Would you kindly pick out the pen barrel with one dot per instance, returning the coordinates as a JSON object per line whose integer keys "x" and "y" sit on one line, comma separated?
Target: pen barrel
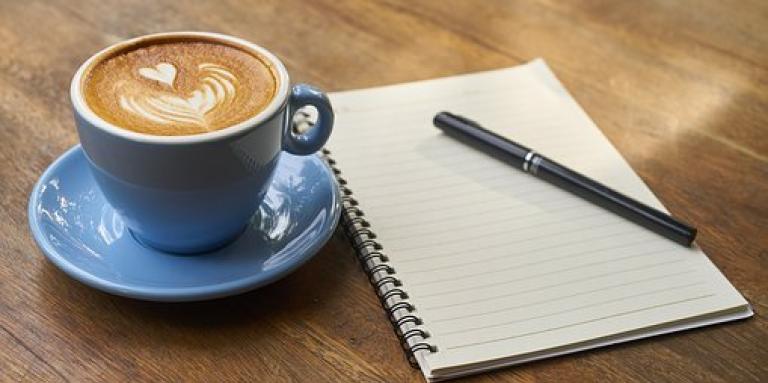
{"x": 620, "y": 204}
{"x": 472, "y": 134}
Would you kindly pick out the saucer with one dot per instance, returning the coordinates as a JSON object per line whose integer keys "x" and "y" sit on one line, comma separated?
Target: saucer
{"x": 84, "y": 237}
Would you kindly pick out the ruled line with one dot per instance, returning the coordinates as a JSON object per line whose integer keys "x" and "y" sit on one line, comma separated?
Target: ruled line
{"x": 500, "y": 223}
{"x": 414, "y": 173}
{"x": 443, "y": 175}
{"x": 550, "y": 272}
{"x": 438, "y": 147}
{"x": 424, "y": 168}
{"x": 507, "y": 282}
{"x": 515, "y": 253}
{"x": 616, "y": 315}
{"x": 530, "y": 238}
{"x": 476, "y": 261}
{"x": 418, "y": 196}
{"x": 450, "y": 196}
{"x": 443, "y": 147}
{"x": 432, "y": 99}
{"x": 444, "y": 182}
{"x": 499, "y": 116}
{"x": 490, "y": 172}
{"x": 429, "y": 184}
{"x": 462, "y": 253}
{"x": 434, "y": 221}
{"x": 559, "y": 298}
{"x": 417, "y": 136}
{"x": 539, "y": 288}
{"x": 570, "y": 310}
{"x": 463, "y": 216}
{"x": 543, "y": 198}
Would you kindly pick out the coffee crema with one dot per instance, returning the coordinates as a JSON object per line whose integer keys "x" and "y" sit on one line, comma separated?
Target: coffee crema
{"x": 184, "y": 87}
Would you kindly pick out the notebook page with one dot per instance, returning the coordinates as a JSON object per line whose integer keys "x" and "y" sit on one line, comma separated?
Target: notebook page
{"x": 496, "y": 262}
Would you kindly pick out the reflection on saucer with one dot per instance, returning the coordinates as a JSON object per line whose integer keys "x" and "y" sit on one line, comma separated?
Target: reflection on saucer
{"x": 86, "y": 238}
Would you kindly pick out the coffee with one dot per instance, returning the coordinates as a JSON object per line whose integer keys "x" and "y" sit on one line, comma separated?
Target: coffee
{"x": 179, "y": 87}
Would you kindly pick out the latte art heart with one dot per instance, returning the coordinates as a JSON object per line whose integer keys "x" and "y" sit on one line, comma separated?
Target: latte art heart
{"x": 162, "y": 72}
{"x": 217, "y": 89}
{"x": 173, "y": 88}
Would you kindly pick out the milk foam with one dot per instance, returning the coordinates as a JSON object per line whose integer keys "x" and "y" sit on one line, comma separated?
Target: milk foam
{"x": 180, "y": 88}
{"x": 217, "y": 90}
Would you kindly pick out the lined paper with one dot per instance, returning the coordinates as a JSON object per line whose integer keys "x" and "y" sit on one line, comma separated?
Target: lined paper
{"x": 498, "y": 263}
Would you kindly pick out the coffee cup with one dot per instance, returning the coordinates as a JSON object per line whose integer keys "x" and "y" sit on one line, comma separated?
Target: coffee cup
{"x": 183, "y": 140}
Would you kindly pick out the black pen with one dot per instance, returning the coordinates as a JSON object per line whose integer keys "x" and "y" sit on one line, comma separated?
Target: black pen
{"x": 542, "y": 167}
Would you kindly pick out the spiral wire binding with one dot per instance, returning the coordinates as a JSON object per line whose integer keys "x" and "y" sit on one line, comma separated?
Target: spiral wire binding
{"x": 383, "y": 276}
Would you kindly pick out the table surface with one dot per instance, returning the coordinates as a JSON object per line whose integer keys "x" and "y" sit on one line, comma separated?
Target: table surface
{"x": 680, "y": 87}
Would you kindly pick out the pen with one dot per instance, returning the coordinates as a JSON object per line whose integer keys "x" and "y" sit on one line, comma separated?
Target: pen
{"x": 542, "y": 167}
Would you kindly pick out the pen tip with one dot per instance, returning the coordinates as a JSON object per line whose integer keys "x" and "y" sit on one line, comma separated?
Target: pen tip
{"x": 439, "y": 119}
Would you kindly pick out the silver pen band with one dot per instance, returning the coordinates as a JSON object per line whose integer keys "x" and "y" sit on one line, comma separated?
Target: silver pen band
{"x": 534, "y": 168}
{"x": 527, "y": 162}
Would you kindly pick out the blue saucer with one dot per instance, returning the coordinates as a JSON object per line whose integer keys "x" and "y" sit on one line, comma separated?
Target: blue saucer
{"x": 82, "y": 235}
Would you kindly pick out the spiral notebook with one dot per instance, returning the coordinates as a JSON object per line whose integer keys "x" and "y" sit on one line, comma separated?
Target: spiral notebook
{"x": 479, "y": 265}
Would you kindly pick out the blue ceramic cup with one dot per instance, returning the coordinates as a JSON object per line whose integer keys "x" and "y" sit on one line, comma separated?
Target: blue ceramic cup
{"x": 192, "y": 193}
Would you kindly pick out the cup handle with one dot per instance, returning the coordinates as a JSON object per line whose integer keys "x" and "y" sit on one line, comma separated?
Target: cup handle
{"x": 313, "y": 139}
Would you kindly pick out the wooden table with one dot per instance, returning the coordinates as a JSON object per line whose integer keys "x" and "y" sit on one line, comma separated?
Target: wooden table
{"x": 680, "y": 87}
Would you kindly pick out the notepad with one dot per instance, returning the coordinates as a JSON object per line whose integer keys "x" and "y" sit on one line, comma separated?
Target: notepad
{"x": 480, "y": 265}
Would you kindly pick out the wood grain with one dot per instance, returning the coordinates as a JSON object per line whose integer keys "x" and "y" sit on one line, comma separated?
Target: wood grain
{"x": 680, "y": 87}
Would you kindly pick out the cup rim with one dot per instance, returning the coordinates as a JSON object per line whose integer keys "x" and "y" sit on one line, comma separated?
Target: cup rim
{"x": 274, "y": 106}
